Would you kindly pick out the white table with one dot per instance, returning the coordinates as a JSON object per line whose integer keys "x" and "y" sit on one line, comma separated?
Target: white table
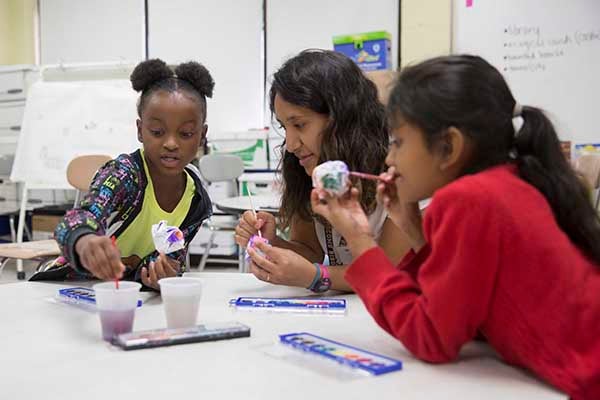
{"x": 239, "y": 204}
{"x": 55, "y": 351}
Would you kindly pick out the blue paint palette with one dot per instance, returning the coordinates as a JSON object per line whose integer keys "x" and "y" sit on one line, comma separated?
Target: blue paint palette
{"x": 374, "y": 364}
{"x": 78, "y": 295}
{"x": 81, "y": 296}
{"x": 291, "y": 304}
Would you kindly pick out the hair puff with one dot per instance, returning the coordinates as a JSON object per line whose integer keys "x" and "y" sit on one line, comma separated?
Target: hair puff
{"x": 197, "y": 75}
{"x": 148, "y": 72}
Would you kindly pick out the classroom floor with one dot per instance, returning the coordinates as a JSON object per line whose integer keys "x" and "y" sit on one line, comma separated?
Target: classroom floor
{"x": 9, "y": 275}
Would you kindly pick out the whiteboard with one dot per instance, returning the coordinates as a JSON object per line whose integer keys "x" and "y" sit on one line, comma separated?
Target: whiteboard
{"x": 548, "y": 50}
{"x": 63, "y": 120}
{"x": 225, "y": 36}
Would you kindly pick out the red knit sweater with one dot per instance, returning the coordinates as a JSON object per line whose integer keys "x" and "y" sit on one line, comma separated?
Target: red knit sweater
{"x": 496, "y": 263}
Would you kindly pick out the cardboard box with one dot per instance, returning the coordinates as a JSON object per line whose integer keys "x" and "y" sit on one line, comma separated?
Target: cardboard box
{"x": 43, "y": 226}
{"x": 565, "y": 147}
{"x": 384, "y": 81}
{"x": 45, "y": 219}
{"x": 250, "y": 146}
{"x": 371, "y": 51}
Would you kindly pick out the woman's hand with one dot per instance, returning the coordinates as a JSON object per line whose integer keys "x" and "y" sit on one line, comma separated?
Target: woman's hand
{"x": 100, "y": 257}
{"x": 406, "y": 216}
{"x": 163, "y": 267}
{"x": 281, "y": 266}
{"x": 249, "y": 225}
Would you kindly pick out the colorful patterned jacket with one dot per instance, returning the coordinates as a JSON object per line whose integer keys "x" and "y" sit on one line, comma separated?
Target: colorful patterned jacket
{"x": 114, "y": 200}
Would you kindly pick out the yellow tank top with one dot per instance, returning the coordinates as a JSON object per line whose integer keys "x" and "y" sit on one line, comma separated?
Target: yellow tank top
{"x": 136, "y": 240}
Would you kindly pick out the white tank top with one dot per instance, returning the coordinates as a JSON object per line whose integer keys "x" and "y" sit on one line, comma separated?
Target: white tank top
{"x": 334, "y": 245}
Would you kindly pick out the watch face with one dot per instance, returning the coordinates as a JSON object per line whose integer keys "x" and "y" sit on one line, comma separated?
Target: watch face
{"x": 324, "y": 285}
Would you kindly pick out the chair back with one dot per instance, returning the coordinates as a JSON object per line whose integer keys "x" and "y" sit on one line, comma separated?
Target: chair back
{"x": 81, "y": 171}
{"x": 221, "y": 167}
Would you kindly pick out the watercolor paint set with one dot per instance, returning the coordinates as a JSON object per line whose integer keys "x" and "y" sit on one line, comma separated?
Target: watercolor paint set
{"x": 80, "y": 296}
{"x": 169, "y": 337}
{"x": 372, "y": 363}
{"x": 291, "y": 304}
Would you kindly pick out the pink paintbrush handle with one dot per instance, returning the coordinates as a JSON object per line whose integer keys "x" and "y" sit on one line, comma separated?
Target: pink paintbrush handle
{"x": 369, "y": 176}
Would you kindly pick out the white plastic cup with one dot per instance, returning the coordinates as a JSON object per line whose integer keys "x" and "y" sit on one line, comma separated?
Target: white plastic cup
{"x": 116, "y": 307}
{"x": 181, "y": 297}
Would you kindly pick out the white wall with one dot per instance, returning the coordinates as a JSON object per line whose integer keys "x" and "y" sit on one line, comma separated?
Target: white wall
{"x": 426, "y": 29}
{"x": 81, "y": 31}
{"x": 225, "y": 36}
{"x": 17, "y": 31}
{"x": 294, "y": 25}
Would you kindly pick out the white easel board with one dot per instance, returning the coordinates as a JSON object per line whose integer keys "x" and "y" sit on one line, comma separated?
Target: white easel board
{"x": 65, "y": 119}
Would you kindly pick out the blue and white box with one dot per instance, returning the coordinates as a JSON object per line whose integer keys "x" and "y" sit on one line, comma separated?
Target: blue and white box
{"x": 371, "y": 51}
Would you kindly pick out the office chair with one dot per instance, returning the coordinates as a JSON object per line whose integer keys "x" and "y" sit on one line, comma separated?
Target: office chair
{"x": 219, "y": 168}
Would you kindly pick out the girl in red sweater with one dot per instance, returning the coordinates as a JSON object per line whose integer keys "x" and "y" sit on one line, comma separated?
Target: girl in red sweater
{"x": 509, "y": 247}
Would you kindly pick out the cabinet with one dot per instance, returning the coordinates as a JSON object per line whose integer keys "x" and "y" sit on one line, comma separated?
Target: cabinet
{"x": 14, "y": 81}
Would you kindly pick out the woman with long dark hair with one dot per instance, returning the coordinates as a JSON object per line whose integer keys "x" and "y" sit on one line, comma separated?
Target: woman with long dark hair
{"x": 329, "y": 111}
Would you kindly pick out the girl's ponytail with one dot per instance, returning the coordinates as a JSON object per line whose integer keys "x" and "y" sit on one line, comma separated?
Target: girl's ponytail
{"x": 542, "y": 164}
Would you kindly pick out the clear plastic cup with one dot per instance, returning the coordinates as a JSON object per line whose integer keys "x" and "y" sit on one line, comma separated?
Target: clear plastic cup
{"x": 181, "y": 297}
{"x": 116, "y": 307}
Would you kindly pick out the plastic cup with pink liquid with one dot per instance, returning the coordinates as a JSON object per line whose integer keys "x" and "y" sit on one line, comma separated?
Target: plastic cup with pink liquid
{"x": 116, "y": 307}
